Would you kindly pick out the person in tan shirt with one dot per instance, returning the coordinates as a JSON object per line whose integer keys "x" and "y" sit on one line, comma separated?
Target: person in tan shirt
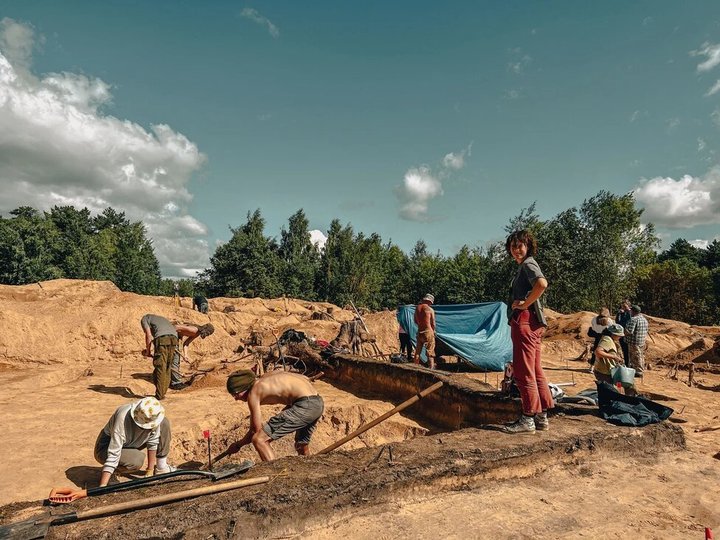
{"x": 425, "y": 320}
{"x": 303, "y": 408}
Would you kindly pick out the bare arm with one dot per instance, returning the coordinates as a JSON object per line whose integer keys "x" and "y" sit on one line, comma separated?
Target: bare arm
{"x": 602, "y": 353}
{"x": 255, "y": 424}
{"x": 432, "y": 319}
{"x": 148, "y": 341}
{"x": 152, "y": 460}
{"x": 536, "y": 292}
{"x": 105, "y": 478}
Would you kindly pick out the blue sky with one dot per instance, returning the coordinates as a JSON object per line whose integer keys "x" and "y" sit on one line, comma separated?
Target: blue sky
{"x": 415, "y": 120}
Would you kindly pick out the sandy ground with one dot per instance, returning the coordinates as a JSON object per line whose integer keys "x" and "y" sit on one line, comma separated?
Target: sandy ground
{"x": 675, "y": 495}
{"x": 69, "y": 355}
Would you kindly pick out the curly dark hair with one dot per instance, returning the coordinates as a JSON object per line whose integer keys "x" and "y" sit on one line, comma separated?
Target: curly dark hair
{"x": 522, "y": 237}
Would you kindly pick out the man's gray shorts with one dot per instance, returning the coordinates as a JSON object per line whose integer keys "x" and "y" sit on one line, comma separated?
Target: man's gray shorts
{"x": 301, "y": 417}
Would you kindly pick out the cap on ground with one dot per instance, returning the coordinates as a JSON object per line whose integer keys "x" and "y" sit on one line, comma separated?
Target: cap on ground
{"x": 635, "y": 308}
{"x": 240, "y": 381}
{"x": 616, "y": 330}
{"x": 429, "y": 297}
{"x": 148, "y": 413}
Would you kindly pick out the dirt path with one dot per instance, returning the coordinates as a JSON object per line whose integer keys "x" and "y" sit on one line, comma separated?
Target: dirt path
{"x": 675, "y": 496}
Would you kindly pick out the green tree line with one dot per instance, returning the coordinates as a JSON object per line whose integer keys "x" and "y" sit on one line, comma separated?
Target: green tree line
{"x": 70, "y": 243}
{"x": 593, "y": 255}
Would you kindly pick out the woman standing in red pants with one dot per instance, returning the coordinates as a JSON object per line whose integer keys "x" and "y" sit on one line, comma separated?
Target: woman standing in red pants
{"x": 527, "y": 326}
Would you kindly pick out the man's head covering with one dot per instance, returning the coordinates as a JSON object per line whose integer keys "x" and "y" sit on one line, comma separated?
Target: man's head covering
{"x": 148, "y": 413}
{"x": 635, "y": 309}
{"x": 240, "y": 381}
{"x": 429, "y": 297}
{"x": 616, "y": 329}
{"x": 205, "y": 330}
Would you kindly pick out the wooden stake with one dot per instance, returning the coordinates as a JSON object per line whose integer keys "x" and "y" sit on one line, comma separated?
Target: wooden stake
{"x": 691, "y": 373}
{"x": 362, "y": 429}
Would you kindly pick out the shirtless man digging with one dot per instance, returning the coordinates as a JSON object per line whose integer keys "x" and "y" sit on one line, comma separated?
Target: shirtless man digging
{"x": 303, "y": 408}
{"x": 425, "y": 320}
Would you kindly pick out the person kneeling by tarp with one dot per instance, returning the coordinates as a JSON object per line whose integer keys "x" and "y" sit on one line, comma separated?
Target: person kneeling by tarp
{"x": 131, "y": 429}
{"x": 303, "y": 408}
{"x": 608, "y": 359}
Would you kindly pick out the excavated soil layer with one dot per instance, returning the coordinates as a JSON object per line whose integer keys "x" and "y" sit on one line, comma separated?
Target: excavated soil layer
{"x": 304, "y": 492}
{"x": 460, "y": 402}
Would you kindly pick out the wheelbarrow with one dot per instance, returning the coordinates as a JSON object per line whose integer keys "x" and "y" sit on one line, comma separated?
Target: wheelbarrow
{"x": 68, "y": 495}
{"x": 37, "y": 527}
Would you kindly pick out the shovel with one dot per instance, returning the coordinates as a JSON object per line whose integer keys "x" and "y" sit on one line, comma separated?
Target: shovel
{"x": 37, "y": 527}
{"x": 68, "y": 495}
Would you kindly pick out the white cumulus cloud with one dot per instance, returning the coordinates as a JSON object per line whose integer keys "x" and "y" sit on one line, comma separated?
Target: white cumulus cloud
{"x": 456, "y": 160}
{"x": 714, "y": 89}
{"x": 253, "y": 15}
{"x": 58, "y": 147}
{"x": 699, "y": 243}
{"x": 419, "y": 187}
{"x": 318, "y": 238}
{"x": 711, "y": 52}
{"x": 17, "y": 42}
{"x": 682, "y": 203}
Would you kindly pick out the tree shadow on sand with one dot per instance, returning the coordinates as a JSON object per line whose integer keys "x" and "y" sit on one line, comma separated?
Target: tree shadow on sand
{"x": 123, "y": 391}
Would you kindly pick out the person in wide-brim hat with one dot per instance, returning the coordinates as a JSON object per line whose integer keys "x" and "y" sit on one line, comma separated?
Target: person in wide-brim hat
{"x": 134, "y": 427}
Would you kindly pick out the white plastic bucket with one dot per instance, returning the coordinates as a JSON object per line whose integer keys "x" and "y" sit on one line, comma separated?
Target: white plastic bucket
{"x": 623, "y": 375}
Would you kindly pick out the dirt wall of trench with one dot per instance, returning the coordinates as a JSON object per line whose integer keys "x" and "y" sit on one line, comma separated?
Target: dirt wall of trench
{"x": 460, "y": 402}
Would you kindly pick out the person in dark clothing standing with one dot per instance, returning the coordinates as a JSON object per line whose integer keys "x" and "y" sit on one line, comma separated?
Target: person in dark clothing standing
{"x": 200, "y": 303}
{"x": 406, "y": 344}
{"x": 623, "y": 319}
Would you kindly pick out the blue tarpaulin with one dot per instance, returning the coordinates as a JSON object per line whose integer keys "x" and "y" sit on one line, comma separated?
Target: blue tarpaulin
{"x": 477, "y": 333}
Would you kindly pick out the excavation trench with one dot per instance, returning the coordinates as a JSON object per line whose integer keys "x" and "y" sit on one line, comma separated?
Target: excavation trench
{"x": 434, "y": 446}
{"x": 358, "y": 390}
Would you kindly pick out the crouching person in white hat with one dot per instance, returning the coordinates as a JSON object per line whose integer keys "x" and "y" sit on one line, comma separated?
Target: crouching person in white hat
{"x": 135, "y": 427}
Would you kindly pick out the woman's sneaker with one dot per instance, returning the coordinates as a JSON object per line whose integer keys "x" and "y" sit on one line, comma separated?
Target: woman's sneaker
{"x": 166, "y": 470}
{"x": 541, "y": 422}
{"x": 524, "y": 424}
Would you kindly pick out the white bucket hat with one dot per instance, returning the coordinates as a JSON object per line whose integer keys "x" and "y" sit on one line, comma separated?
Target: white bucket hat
{"x": 148, "y": 413}
{"x": 429, "y": 297}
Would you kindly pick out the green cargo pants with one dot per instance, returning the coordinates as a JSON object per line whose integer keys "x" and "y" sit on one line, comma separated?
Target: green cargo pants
{"x": 164, "y": 351}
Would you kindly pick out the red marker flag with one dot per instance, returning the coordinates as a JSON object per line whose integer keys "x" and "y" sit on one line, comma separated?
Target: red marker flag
{"x": 206, "y": 434}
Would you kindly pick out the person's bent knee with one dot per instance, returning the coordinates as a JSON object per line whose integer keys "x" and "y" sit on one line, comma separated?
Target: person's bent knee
{"x": 261, "y": 438}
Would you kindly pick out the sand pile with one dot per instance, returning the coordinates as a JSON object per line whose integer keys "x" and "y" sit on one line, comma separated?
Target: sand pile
{"x": 74, "y": 321}
{"x": 566, "y": 335}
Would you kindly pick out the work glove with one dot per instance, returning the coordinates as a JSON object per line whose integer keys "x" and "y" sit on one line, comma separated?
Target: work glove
{"x": 150, "y": 472}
